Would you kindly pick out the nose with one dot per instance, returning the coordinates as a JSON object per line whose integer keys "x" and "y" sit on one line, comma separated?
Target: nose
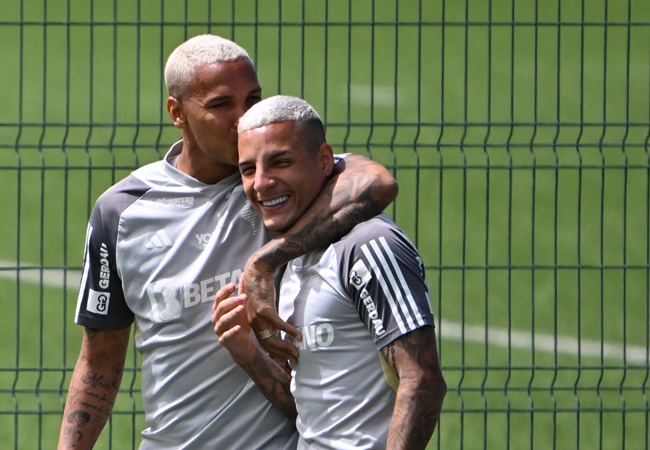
{"x": 263, "y": 180}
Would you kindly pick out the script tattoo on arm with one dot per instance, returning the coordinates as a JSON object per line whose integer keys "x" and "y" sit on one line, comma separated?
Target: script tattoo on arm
{"x": 93, "y": 387}
{"x": 421, "y": 391}
{"x": 273, "y": 380}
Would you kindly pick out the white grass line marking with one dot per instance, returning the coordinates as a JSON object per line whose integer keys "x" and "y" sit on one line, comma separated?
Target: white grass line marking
{"x": 498, "y": 337}
{"x": 383, "y": 96}
{"x": 516, "y": 339}
{"x": 56, "y": 278}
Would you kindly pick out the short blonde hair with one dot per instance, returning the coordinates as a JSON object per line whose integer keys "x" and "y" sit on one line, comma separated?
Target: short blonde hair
{"x": 279, "y": 108}
{"x": 284, "y": 108}
{"x": 198, "y": 51}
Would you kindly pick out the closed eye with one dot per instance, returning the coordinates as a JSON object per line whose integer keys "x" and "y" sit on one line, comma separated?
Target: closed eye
{"x": 247, "y": 171}
{"x": 217, "y": 101}
{"x": 282, "y": 162}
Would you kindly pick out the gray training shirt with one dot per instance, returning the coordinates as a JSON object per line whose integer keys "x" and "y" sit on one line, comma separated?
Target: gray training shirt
{"x": 350, "y": 300}
{"x": 159, "y": 245}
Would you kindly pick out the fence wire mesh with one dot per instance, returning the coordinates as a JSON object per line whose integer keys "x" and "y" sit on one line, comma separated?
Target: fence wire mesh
{"x": 518, "y": 132}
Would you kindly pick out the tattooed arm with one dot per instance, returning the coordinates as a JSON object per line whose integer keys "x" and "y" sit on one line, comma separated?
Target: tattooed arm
{"x": 358, "y": 190}
{"x": 234, "y": 331}
{"x": 93, "y": 387}
{"x": 421, "y": 391}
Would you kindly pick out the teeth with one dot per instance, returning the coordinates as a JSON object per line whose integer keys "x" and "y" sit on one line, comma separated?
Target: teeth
{"x": 275, "y": 201}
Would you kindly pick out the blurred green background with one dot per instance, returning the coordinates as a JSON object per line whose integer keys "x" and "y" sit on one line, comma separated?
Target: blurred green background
{"x": 517, "y": 130}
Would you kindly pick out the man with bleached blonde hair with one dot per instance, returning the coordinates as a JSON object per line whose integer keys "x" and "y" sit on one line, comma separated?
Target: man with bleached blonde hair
{"x": 368, "y": 376}
{"x": 164, "y": 240}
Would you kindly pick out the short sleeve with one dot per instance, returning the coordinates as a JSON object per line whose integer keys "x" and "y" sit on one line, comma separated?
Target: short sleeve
{"x": 384, "y": 276}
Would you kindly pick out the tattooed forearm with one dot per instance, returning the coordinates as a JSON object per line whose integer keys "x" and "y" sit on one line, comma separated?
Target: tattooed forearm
{"x": 346, "y": 201}
{"x": 273, "y": 380}
{"x": 90, "y": 401}
{"x": 358, "y": 190}
{"x": 421, "y": 392}
{"x": 93, "y": 388}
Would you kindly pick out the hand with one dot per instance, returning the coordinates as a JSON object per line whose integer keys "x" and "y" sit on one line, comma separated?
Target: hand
{"x": 231, "y": 324}
{"x": 258, "y": 283}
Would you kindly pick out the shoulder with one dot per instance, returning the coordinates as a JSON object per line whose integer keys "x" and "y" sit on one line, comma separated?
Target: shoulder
{"x": 131, "y": 185}
{"x": 378, "y": 227}
{"x": 122, "y": 193}
{"x": 117, "y": 198}
{"x": 136, "y": 184}
{"x": 377, "y": 241}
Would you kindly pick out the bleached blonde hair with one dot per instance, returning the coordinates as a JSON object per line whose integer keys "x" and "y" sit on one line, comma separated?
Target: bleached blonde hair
{"x": 279, "y": 108}
{"x": 198, "y": 51}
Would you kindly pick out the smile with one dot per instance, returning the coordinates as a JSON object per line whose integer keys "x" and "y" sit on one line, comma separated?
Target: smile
{"x": 275, "y": 201}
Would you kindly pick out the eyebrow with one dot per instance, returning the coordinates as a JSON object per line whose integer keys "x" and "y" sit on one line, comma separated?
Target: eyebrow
{"x": 276, "y": 154}
{"x": 218, "y": 98}
{"x": 245, "y": 163}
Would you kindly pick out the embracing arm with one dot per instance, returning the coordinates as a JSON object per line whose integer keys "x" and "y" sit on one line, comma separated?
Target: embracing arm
{"x": 421, "y": 391}
{"x": 358, "y": 190}
{"x": 93, "y": 387}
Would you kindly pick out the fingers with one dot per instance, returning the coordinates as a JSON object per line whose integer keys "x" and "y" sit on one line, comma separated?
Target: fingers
{"x": 230, "y": 322}
{"x": 280, "y": 349}
{"x": 229, "y": 313}
{"x": 272, "y": 317}
{"x": 275, "y": 346}
{"x": 230, "y": 333}
{"x": 242, "y": 284}
{"x": 231, "y": 325}
{"x": 223, "y": 294}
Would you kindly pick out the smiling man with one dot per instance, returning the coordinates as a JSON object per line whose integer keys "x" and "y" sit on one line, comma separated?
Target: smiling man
{"x": 287, "y": 182}
{"x": 164, "y": 239}
{"x": 368, "y": 376}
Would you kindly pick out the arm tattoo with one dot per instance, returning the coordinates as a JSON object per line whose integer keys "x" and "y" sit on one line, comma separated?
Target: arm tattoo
{"x": 421, "y": 390}
{"x": 93, "y": 387}
{"x": 348, "y": 202}
{"x": 348, "y": 198}
{"x": 273, "y": 380}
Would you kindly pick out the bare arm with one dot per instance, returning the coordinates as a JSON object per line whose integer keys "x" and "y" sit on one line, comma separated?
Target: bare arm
{"x": 232, "y": 327}
{"x": 94, "y": 385}
{"x": 421, "y": 391}
{"x": 272, "y": 380}
{"x": 358, "y": 190}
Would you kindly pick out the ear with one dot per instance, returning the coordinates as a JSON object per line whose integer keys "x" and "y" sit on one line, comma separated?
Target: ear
{"x": 175, "y": 112}
{"x": 326, "y": 158}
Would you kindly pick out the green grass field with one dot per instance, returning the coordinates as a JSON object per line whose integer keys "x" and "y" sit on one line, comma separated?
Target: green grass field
{"x": 518, "y": 135}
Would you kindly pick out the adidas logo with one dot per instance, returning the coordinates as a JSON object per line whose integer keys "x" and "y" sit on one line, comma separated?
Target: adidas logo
{"x": 159, "y": 240}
